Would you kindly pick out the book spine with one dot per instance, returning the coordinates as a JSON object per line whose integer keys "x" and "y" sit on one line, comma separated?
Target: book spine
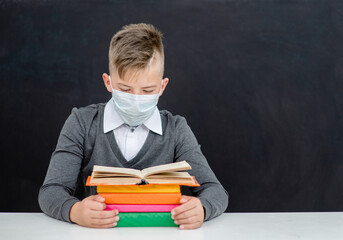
{"x": 141, "y": 198}
{"x": 141, "y": 207}
{"x": 146, "y": 219}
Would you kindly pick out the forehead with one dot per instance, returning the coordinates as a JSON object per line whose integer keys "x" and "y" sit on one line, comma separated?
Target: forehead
{"x": 153, "y": 73}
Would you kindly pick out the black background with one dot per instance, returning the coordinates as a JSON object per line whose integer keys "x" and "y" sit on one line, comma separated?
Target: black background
{"x": 260, "y": 83}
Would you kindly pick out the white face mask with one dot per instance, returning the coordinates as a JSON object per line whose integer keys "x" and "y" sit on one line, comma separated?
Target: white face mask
{"x": 134, "y": 109}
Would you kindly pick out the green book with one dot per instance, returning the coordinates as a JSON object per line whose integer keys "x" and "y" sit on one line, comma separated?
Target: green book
{"x": 145, "y": 219}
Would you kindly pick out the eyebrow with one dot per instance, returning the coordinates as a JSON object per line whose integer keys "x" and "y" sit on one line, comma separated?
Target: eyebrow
{"x": 149, "y": 86}
{"x": 124, "y": 85}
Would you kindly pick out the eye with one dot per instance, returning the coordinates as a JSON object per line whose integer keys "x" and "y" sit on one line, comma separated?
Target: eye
{"x": 148, "y": 91}
{"x": 124, "y": 89}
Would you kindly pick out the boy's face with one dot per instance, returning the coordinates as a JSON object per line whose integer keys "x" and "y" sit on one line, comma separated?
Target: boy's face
{"x": 141, "y": 82}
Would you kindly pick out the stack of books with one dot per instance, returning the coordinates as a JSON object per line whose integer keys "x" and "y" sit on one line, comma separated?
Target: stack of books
{"x": 143, "y": 198}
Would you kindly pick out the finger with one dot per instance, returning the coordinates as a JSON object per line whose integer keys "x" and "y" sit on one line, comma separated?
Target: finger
{"x": 93, "y": 205}
{"x": 110, "y": 210}
{"x": 99, "y": 198}
{"x": 116, "y": 212}
{"x": 185, "y": 198}
{"x": 104, "y": 226}
{"x": 190, "y": 220}
{"x": 184, "y": 207}
{"x": 186, "y": 214}
{"x": 96, "y": 198}
{"x": 102, "y": 214}
{"x": 190, "y": 226}
{"x": 103, "y": 221}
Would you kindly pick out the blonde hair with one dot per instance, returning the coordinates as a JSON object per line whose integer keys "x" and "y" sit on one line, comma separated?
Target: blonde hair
{"x": 134, "y": 47}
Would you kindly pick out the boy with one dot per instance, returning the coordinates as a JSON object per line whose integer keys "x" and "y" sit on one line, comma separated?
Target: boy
{"x": 129, "y": 131}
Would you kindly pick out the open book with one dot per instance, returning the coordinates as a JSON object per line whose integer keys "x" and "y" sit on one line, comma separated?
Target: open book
{"x": 161, "y": 174}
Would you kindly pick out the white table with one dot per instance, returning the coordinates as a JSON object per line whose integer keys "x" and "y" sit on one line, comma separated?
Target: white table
{"x": 234, "y": 226}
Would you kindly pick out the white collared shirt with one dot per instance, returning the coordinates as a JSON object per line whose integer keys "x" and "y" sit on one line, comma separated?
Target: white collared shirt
{"x": 130, "y": 139}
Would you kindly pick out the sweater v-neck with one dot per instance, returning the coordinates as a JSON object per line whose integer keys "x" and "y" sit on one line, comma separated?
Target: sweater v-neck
{"x": 117, "y": 152}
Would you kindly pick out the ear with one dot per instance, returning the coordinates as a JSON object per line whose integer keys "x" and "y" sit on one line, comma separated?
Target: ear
{"x": 106, "y": 79}
{"x": 164, "y": 85}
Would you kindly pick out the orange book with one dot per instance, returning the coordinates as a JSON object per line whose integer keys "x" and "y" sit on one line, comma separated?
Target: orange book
{"x": 149, "y": 188}
{"x": 141, "y": 198}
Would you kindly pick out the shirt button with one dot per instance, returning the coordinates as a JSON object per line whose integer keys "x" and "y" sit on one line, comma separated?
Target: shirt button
{"x": 132, "y": 129}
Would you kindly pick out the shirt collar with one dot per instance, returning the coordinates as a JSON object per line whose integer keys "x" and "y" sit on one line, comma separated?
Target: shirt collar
{"x": 154, "y": 123}
{"x": 112, "y": 120}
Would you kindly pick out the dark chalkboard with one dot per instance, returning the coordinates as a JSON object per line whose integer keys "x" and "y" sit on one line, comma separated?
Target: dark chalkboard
{"x": 260, "y": 83}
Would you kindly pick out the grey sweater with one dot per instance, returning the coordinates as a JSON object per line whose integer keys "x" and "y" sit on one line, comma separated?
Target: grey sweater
{"x": 82, "y": 144}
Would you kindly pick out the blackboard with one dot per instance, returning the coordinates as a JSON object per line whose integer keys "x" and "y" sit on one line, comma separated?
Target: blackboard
{"x": 259, "y": 82}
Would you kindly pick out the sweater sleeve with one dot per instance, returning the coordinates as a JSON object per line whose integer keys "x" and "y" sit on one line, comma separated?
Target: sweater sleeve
{"x": 211, "y": 193}
{"x": 56, "y": 194}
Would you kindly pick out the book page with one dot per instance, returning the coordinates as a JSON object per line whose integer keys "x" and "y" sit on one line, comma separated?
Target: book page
{"x": 167, "y": 175}
{"x": 116, "y": 181}
{"x": 109, "y": 175}
{"x": 171, "y": 167}
{"x": 99, "y": 171}
{"x": 182, "y": 181}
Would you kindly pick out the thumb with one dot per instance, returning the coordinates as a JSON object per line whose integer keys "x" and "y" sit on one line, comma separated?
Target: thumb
{"x": 185, "y": 198}
{"x": 97, "y": 198}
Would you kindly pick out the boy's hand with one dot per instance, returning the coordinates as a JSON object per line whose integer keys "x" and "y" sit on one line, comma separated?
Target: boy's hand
{"x": 90, "y": 213}
{"x": 190, "y": 214}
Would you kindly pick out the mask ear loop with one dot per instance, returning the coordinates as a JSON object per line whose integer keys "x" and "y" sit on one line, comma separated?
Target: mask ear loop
{"x": 111, "y": 84}
{"x": 161, "y": 88}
